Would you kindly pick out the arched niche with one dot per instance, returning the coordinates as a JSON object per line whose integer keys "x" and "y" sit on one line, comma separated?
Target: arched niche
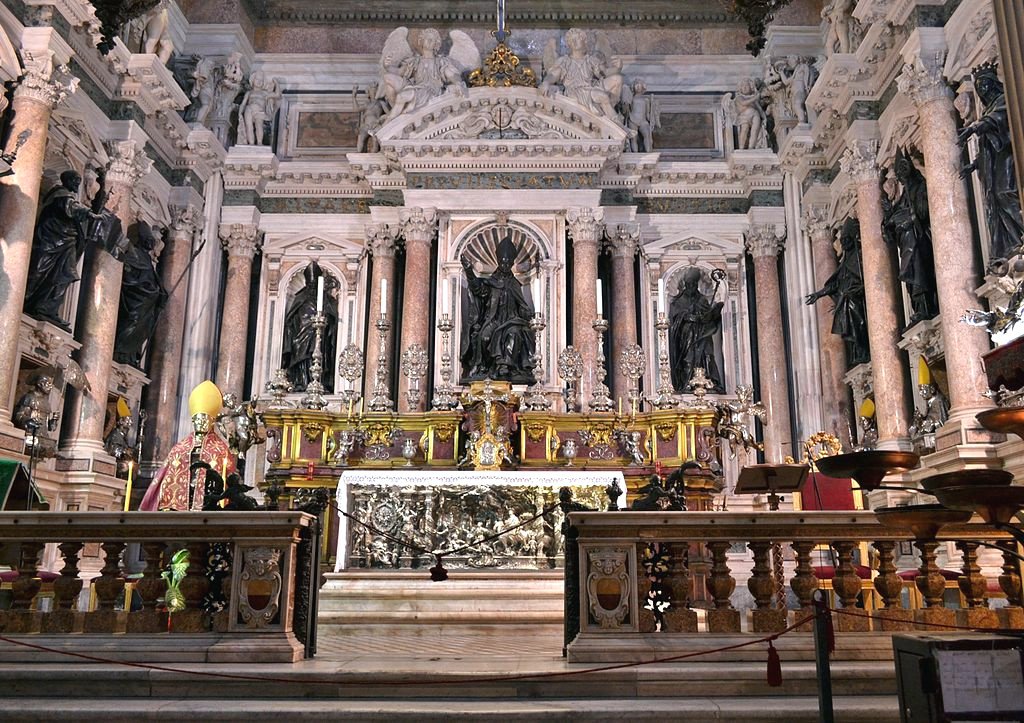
{"x": 682, "y": 311}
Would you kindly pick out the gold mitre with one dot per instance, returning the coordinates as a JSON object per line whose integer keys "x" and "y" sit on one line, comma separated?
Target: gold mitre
{"x": 122, "y": 408}
{"x": 205, "y": 399}
{"x": 867, "y": 408}
{"x": 924, "y": 374}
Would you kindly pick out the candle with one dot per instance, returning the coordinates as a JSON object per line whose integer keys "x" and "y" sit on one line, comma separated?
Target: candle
{"x": 224, "y": 470}
{"x": 600, "y": 299}
{"x": 620, "y": 406}
{"x": 632, "y": 407}
{"x": 661, "y": 296}
{"x": 383, "y": 297}
{"x": 501, "y": 17}
{"x": 128, "y": 487}
{"x": 361, "y": 406}
{"x": 319, "y": 294}
{"x": 350, "y": 409}
{"x": 536, "y": 293}
{"x": 445, "y": 296}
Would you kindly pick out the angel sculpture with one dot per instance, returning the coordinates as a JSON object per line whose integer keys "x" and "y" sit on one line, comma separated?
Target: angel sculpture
{"x": 642, "y": 114}
{"x": 411, "y": 76}
{"x": 745, "y": 111}
{"x": 592, "y": 79}
{"x": 734, "y": 419}
{"x": 372, "y": 110}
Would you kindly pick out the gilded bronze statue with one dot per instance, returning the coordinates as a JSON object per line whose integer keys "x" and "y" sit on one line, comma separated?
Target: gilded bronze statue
{"x": 846, "y": 289}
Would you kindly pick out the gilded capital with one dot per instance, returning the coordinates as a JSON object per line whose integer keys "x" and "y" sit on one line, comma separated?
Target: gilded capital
{"x": 380, "y": 240}
{"x": 44, "y": 82}
{"x": 923, "y": 81}
{"x": 764, "y": 240}
{"x": 418, "y": 224}
{"x": 859, "y": 160}
{"x": 623, "y": 240}
{"x": 585, "y": 225}
{"x": 240, "y": 240}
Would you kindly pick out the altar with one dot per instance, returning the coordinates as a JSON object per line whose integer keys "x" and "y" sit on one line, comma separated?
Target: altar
{"x": 444, "y": 510}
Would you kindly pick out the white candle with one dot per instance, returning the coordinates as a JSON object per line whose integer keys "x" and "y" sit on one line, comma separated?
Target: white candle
{"x": 319, "y": 294}
{"x": 600, "y": 299}
{"x": 536, "y": 294}
{"x": 445, "y": 296}
{"x": 383, "y": 297}
{"x": 661, "y": 296}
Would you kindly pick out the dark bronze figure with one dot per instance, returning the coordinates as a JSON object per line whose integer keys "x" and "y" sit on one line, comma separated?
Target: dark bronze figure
{"x": 846, "y": 289}
{"x": 995, "y": 166}
{"x": 64, "y": 227}
{"x": 300, "y": 334}
{"x": 142, "y": 295}
{"x": 694, "y": 321}
{"x": 497, "y": 342}
{"x": 907, "y": 227}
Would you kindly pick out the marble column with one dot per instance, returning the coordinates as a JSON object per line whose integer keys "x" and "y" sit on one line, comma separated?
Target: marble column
{"x": 96, "y": 326}
{"x": 957, "y": 274}
{"x": 889, "y": 376}
{"x": 241, "y": 242}
{"x": 419, "y": 227}
{"x": 1009, "y": 15}
{"x": 42, "y": 88}
{"x": 161, "y": 396}
{"x": 381, "y": 242}
{"x": 764, "y": 243}
{"x": 622, "y": 243}
{"x": 836, "y": 412}
{"x": 586, "y": 226}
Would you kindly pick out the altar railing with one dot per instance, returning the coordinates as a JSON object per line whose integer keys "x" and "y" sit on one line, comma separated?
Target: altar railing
{"x": 261, "y": 563}
{"x": 638, "y": 572}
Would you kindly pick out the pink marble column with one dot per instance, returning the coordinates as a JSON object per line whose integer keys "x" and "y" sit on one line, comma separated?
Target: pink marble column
{"x": 381, "y": 242}
{"x": 39, "y": 92}
{"x": 586, "y": 226}
{"x": 242, "y": 242}
{"x": 418, "y": 228}
{"x": 622, "y": 244}
{"x": 956, "y": 273}
{"x": 161, "y": 395}
{"x": 763, "y": 243}
{"x": 889, "y": 377}
{"x": 835, "y": 395}
{"x": 96, "y": 327}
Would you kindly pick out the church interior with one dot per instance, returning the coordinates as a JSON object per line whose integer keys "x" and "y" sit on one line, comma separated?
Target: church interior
{"x": 513, "y": 360}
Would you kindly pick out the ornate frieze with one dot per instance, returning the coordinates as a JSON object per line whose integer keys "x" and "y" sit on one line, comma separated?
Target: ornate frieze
{"x": 488, "y": 181}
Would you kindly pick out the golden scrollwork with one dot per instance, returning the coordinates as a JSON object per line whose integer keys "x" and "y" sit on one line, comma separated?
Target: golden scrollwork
{"x": 535, "y": 432}
{"x": 502, "y": 68}
{"x": 380, "y": 433}
{"x": 666, "y": 431}
{"x": 444, "y": 431}
{"x": 818, "y": 445}
{"x": 312, "y": 431}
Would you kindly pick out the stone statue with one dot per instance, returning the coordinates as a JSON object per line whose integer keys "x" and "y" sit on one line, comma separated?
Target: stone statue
{"x": 846, "y": 289}
{"x": 64, "y": 227}
{"x": 907, "y": 227}
{"x": 156, "y": 37}
{"x": 117, "y": 445}
{"x": 225, "y": 97}
{"x": 259, "y": 105}
{"x": 204, "y": 86}
{"x": 935, "y": 414}
{"x": 300, "y": 335}
{"x": 777, "y": 91}
{"x": 694, "y": 322}
{"x": 372, "y": 111}
{"x": 995, "y": 166}
{"x": 745, "y": 111}
{"x": 798, "y": 77}
{"x": 497, "y": 342}
{"x": 33, "y": 412}
{"x": 642, "y": 114}
{"x": 592, "y": 79}
{"x": 837, "y": 33}
{"x": 142, "y": 295}
{"x": 413, "y": 74}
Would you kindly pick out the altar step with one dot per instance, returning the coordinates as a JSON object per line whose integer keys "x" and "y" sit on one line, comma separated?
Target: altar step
{"x": 363, "y": 602}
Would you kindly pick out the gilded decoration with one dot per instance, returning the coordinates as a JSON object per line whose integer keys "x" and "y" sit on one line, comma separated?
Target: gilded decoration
{"x": 444, "y": 432}
{"x": 502, "y": 68}
{"x": 666, "y": 431}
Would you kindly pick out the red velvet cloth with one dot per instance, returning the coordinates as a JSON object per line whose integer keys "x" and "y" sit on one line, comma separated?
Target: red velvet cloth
{"x": 827, "y": 493}
{"x": 12, "y": 575}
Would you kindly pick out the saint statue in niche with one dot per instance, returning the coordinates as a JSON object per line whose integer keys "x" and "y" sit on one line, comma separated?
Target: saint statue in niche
{"x": 695, "y": 319}
{"x": 497, "y": 342}
{"x": 846, "y": 289}
{"x": 300, "y": 334}
{"x": 907, "y": 228}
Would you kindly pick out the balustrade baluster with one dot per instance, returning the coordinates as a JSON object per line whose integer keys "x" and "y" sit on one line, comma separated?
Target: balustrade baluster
{"x": 761, "y": 584}
{"x": 66, "y": 589}
{"x": 681, "y": 618}
{"x": 1011, "y": 616}
{"x": 109, "y": 588}
{"x": 973, "y": 585}
{"x": 847, "y": 586}
{"x": 932, "y": 586}
{"x": 150, "y": 588}
{"x": 194, "y": 587}
{"x": 21, "y": 618}
{"x": 892, "y": 616}
{"x": 723, "y": 619}
{"x": 804, "y": 582}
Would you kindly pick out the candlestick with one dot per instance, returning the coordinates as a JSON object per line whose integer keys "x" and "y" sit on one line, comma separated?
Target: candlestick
{"x": 381, "y": 401}
{"x": 570, "y": 368}
{"x": 319, "y": 294}
{"x": 661, "y": 296}
{"x": 350, "y": 368}
{"x": 414, "y": 366}
{"x": 600, "y": 299}
{"x": 535, "y": 399}
{"x": 600, "y": 401}
{"x": 128, "y": 487}
{"x": 314, "y": 398}
{"x": 445, "y": 397}
{"x": 665, "y": 398}
{"x": 383, "y": 297}
{"x": 633, "y": 362}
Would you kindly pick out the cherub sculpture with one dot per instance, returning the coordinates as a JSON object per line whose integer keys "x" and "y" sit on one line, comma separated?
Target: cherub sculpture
{"x": 642, "y": 114}
{"x": 746, "y": 111}
{"x": 591, "y": 78}
{"x": 734, "y": 418}
{"x": 413, "y": 73}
